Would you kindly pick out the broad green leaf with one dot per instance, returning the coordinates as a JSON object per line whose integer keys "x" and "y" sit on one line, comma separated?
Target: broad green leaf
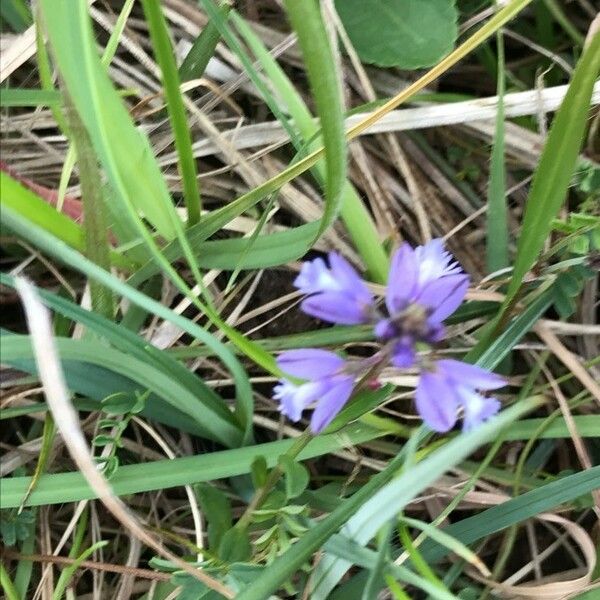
{"x": 132, "y": 479}
{"x": 124, "y": 152}
{"x": 296, "y": 476}
{"x": 216, "y": 508}
{"x": 235, "y": 546}
{"x": 409, "y": 34}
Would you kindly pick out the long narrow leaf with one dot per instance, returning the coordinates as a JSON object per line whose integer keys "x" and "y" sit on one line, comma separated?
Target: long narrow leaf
{"x": 306, "y": 19}
{"x": 170, "y": 79}
{"x": 131, "y": 479}
{"x": 124, "y": 152}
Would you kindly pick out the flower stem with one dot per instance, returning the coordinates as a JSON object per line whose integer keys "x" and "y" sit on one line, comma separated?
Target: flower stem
{"x": 261, "y": 494}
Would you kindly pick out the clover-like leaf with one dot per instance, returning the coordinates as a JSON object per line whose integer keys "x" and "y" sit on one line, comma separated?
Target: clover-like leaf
{"x": 410, "y": 34}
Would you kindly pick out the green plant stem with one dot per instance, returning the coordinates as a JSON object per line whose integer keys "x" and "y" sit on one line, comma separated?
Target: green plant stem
{"x": 170, "y": 79}
{"x": 42, "y": 461}
{"x": 415, "y": 556}
{"x": 261, "y": 494}
{"x": 97, "y": 244}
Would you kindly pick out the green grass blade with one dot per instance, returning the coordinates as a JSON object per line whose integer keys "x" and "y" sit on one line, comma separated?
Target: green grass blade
{"x": 16, "y": 13}
{"x": 132, "y": 479}
{"x": 557, "y": 164}
{"x": 7, "y": 584}
{"x": 497, "y": 217}
{"x": 307, "y": 22}
{"x": 219, "y": 19}
{"x": 372, "y": 505}
{"x": 516, "y": 330}
{"x": 28, "y": 97}
{"x": 356, "y": 217}
{"x": 128, "y": 342}
{"x": 15, "y": 196}
{"x": 203, "y": 48}
{"x": 525, "y": 506}
{"x": 208, "y": 418}
{"x": 54, "y": 247}
{"x": 170, "y": 80}
{"x": 123, "y": 151}
{"x": 551, "y": 180}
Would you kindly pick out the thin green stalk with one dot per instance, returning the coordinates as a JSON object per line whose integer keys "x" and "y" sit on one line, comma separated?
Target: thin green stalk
{"x": 324, "y": 79}
{"x": 97, "y": 244}
{"x": 415, "y": 556}
{"x": 42, "y": 461}
{"x": 395, "y": 588}
{"x": 107, "y": 56}
{"x": 69, "y": 571}
{"x": 171, "y": 83}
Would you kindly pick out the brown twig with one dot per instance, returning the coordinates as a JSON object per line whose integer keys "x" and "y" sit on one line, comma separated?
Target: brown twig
{"x": 86, "y": 564}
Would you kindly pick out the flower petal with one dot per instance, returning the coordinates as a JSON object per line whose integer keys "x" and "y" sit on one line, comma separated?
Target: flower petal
{"x": 404, "y": 354}
{"x": 331, "y": 402}
{"x": 477, "y": 408}
{"x": 385, "y": 330}
{"x": 315, "y": 277}
{"x": 436, "y": 402}
{"x": 475, "y": 377}
{"x": 309, "y": 363}
{"x": 293, "y": 399}
{"x": 348, "y": 279}
{"x": 335, "y": 307}
{"x": 402, "y": 279}
{"x": 443, "y": 296}
{"x": 435, "y": 262}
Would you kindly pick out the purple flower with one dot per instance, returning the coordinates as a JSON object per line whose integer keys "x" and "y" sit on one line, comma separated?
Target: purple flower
{"x": 425, "y": 286}
{"x": 450, "y": 385}
{"x": 327, "y": 384}
{"x": 339, "y": 295}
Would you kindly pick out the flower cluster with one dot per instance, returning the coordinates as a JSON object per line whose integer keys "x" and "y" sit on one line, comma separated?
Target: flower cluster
{"x": 425, "y": 286}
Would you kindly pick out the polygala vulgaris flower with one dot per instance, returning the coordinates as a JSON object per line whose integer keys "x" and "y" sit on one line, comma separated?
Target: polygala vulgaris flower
{"x": 327, "y": 384}
{"x": 425, "y": 286}
{"x": 338, "y": 294}
{"x": 447, "y": 385}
